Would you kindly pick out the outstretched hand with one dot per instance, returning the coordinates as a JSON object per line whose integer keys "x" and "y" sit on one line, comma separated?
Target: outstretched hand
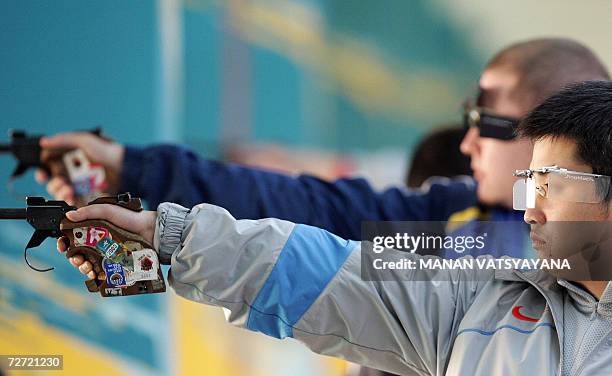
{"x": 98, "y": 150}
{"x": 141, "y": 223}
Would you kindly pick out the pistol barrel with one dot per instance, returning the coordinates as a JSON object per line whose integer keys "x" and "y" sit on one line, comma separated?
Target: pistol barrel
{"x": 13, "y": 214}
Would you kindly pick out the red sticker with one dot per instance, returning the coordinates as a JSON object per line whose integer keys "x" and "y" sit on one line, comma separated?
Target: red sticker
{"x": 94, "y": 235}
{"x": 97, "y": 178}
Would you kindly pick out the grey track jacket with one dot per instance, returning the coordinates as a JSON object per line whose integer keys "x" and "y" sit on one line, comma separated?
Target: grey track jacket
{"x": 290, "y": 280}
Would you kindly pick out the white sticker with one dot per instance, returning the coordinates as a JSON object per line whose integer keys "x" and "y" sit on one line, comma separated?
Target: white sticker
{"x": 113, "y": 291}
{"x": 80, "y": 235}
{"x": 145, "y": 265}
{"x": 77, "y": 165}
{"x": 88, "y": 179}
{"x": 130, "y": 278}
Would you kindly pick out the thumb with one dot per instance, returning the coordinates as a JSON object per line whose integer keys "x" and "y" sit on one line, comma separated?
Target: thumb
{"x": 74, "y": 140}
{"x": 118, "y": 216}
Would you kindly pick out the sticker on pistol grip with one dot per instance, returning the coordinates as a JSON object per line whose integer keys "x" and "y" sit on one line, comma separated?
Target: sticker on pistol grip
{"x": 146, "y": 265}
{"x": 114, "y": 291}
{"x": 88, "y": 179}
{"x": 80, "y": 235}
{"x": 132, "y": 246}
{"x": 90, "y": 236}
{"x": 97, "y": 178}
{"x": 81, "y": 187}
{"x": 76, "y": 164}
{"x": 90, "y": 185}
{"x": 115, "y": 275}
{"x": 108, "y": 247}
{"x": 129, "y": 277}
{"x": 123, "y": 258}
{"x": 126, "y": 261}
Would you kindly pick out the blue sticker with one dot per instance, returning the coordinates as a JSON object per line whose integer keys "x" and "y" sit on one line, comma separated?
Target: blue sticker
{"x": 115, "y": 275}
{"x": 108, "y": 247}
{"x": 82, "y": 186}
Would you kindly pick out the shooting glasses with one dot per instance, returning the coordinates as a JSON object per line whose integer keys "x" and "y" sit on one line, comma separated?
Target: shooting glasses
{"x": 489, "y": 124}
{"x": 558, "y": 184}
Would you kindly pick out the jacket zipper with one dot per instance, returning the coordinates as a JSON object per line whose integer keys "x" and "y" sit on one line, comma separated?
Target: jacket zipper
{"x": 552, "y": 311}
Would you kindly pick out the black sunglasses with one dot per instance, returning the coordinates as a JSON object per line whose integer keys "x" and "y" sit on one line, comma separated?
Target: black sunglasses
{"x": 490, "y": 125}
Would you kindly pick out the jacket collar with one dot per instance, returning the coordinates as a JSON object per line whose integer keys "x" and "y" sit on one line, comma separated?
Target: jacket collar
{"x": 587, "y": 303}
{"x": 551, "y": 287}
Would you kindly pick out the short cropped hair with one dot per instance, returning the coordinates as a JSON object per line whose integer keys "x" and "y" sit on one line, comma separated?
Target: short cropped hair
{"x": 544, "y": 66}
{"x": 582, "y": 113}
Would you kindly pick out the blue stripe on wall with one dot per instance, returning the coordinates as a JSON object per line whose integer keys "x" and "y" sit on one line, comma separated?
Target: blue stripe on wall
{"x": 309, "y": 260}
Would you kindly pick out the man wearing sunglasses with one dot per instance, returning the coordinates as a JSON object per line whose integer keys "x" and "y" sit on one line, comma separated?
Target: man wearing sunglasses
{"x": 459, "y": 322}
{"x": 514, "y": 81}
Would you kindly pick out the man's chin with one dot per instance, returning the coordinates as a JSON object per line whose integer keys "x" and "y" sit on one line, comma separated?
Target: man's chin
{"x": 486, "y": 197}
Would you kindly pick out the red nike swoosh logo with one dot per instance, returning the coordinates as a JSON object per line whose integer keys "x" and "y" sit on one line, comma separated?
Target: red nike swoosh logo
{"x": 516, "y": 312}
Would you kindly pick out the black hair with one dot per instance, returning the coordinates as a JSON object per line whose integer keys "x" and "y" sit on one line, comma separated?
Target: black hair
{"x": 546, "y": 65}
{"x": 437, "y": 154}
{"x": 582, "y": 113}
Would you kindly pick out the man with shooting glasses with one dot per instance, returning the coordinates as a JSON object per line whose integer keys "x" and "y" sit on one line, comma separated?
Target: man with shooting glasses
{"x": 515, "y": 80}
{"x": 291, "y": 280}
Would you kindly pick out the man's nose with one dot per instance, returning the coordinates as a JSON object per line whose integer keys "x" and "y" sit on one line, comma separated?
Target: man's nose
{"x": 468, "y": 144}
{"x": 534, "y": 216}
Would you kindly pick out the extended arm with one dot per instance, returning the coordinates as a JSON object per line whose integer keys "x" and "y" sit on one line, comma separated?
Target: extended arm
{"x": 176, "y": 174}
{"x": 288, "y": 280}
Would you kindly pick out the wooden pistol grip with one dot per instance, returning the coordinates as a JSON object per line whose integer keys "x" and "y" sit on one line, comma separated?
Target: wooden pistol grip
{"x": 93, "y": 256}
{"x": 83, "y": 238}
{"x": 134, "y": 204}
{"x": 53, "y": 160}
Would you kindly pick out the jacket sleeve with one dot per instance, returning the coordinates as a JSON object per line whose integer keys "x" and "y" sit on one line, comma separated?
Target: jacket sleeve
{"x": 168, "y": 173}
{"x": 298, "y": 281}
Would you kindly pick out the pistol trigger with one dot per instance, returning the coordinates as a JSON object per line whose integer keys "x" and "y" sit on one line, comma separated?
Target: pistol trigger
{"x": 37, "y": 238}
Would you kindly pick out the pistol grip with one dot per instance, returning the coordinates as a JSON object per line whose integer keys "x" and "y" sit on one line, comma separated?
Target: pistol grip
{"x": 89, "y": 254}
{"x": 131, "y": 263}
